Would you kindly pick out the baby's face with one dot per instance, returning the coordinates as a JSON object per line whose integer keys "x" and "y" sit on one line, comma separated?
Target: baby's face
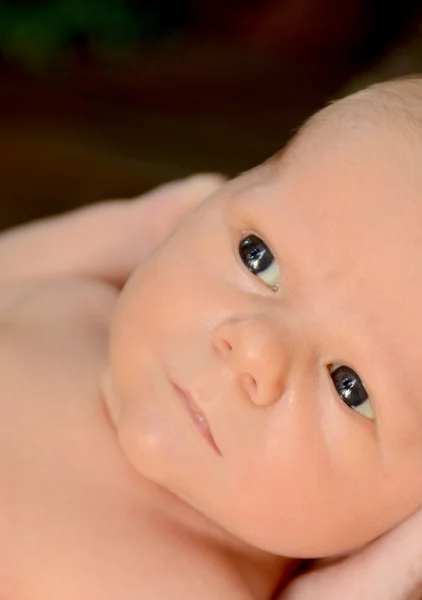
{"x": 286, "y": 311}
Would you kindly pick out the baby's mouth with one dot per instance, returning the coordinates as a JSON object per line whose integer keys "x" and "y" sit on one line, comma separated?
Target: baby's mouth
{"x": 196, "y": 416}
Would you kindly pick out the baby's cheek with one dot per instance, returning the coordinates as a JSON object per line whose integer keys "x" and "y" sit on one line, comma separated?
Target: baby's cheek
{"x": 143, "y": 435}
{"x": 278, "y": 508}
{"x": 283, "y": 480}
{"x": 138, "y": 449}
{"x": 301, "y": 504}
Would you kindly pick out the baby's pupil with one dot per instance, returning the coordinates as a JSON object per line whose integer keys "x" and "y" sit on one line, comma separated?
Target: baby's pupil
{"x": 349, "y": 386}
{"x": 255, "y": 254}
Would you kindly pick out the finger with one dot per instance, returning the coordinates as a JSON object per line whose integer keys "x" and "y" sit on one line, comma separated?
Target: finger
{"x": 395, "y": 559}
{"x": 189, "y": 192}
{"x": 102, "y": 241}
{"x": 390, "y": 568}
{"x": 159, "y": 212}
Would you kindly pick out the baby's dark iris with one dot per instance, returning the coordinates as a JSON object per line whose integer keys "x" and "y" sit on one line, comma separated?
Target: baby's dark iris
{"x": 349, "y": 386}
{"x": 255, "y": 254}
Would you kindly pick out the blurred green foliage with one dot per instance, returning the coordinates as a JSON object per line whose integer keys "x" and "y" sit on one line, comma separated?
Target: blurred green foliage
{"x": 38, "y": 33}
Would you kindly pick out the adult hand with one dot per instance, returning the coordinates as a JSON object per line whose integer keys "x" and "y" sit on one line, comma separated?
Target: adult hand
{"x": 102, "y": 241}
{"x": 157, "y": 213}
{"x": 390, "y": 568}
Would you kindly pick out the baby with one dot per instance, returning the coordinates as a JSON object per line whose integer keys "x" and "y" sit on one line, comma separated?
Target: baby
{"x": 251, "y": 394}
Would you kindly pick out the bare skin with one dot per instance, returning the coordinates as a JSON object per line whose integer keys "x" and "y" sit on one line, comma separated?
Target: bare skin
{"x": 78, "y": 520}
{"x": 111, "y": 482}
{"x": 261, "y": 352}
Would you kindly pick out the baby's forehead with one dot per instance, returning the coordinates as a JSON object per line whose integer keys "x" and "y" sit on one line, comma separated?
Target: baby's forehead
{"x": 351, "y": 177}
{"x": 391, "y": 110}
{"x": 344, "y": 207}
{"x": 370, "y": 140}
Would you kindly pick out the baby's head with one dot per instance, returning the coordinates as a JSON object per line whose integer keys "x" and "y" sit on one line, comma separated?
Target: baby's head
{"x": 286, "y": 312}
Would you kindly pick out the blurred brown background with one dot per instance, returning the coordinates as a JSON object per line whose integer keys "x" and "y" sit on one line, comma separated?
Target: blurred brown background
{"x": 110, "y": 101}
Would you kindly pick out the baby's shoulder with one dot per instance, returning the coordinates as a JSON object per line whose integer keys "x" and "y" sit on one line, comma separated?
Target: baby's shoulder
{"x": 54, "y": 334}
{"x": 40, "y": 300}
{"x": 66, "y": 305}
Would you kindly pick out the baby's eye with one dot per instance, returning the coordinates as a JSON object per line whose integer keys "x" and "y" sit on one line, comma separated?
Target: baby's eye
{"x": 350, "y": 388}
{"x": 259, "y": 259}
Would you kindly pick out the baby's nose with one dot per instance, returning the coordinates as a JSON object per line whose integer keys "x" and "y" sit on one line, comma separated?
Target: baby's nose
{"x": 258, "y": 354}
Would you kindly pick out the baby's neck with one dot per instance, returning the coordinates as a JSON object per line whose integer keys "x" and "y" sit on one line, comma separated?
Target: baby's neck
{"x": 261, "y": 572}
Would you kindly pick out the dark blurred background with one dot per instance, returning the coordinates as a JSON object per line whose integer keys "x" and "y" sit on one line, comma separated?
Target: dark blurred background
{"x": 107, "y": 98}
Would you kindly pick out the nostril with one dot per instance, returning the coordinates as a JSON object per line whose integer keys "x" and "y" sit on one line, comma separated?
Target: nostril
{"x": 223, "y": 345}
{"x": 227, "y": 345}
{"x": 249, "y": 384}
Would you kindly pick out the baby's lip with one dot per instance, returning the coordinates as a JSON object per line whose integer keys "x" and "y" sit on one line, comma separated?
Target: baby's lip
{"x": 196, "y": 415}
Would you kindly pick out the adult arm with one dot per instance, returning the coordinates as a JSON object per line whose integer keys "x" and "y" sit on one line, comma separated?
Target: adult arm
{"x": 103, "y": 241}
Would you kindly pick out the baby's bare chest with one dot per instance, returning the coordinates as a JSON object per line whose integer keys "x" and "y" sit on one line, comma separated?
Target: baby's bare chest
{"x": 75, "y": 521}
